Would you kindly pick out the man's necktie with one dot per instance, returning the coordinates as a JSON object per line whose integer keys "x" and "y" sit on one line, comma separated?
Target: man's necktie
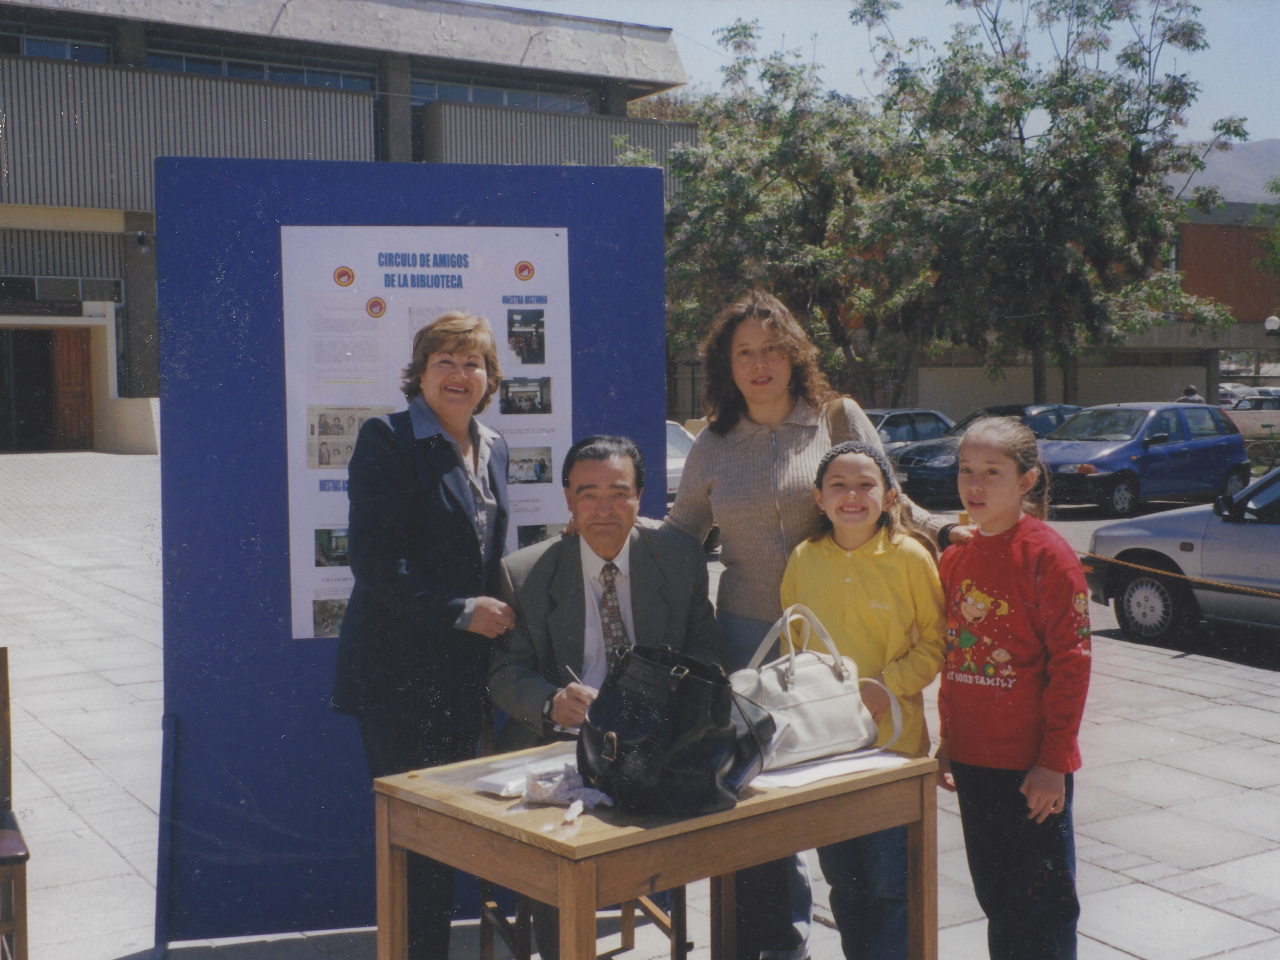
{"x": 615, "y": 634}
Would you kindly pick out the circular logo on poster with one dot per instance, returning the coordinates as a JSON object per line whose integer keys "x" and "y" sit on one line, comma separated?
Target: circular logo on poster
{"x": 524, "y": 270}
{"x": 376, "y": 307}
{"x": 344, "y": 276}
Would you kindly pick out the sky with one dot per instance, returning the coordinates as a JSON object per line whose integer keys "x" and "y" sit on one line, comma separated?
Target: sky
{"x": 1239, "y": 74}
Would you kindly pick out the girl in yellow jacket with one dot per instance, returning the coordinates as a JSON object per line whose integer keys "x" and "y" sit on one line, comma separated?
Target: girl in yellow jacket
{"x": 876, "y": 590}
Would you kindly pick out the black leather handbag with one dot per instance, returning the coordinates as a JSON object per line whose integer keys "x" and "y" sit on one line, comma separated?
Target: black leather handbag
{"x": 660, "y": 738}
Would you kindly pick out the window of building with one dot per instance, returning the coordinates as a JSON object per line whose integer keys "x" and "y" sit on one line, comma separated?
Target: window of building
{"x": 553, "y": 100}
{"x": 20, "y": 39}
{"x": 245, "y": 65}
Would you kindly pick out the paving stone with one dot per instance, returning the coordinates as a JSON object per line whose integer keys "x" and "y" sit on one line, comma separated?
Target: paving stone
{"x": 1258, "y": 874}
{"x": 1154, "y": 925}
{"x": 1092, "y": 803}
{"x": 1256, "y": 812}
{"x": 1171, "y": 838}
{"x": 1140, "y": 740}
{"x": 1160, "y": 785}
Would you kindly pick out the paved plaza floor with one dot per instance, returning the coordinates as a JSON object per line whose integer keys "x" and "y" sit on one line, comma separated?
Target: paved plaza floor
{"x": 1177, "y": 807}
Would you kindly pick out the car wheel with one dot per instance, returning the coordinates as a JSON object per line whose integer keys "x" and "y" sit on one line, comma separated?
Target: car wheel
{"x": 1122, "y": 498}
{"x": 1151, "y": 608}
{"x": 1235, "y": 483}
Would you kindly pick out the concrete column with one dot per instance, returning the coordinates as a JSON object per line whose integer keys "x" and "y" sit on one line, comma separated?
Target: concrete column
{"x": 131, "y": 44}
{"x": 396, "y": 109}
{"x": 1071, "y": 382}
{"x": 141, "y": 311}
{"x": 1211, "y": 360}
{"x": 614, "y": 101}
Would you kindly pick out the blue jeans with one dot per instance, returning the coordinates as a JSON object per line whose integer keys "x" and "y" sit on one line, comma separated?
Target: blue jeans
{"x": 1024, "y": 873}
{"x": 758, "y": 932}
{"x": 868, "y": 877}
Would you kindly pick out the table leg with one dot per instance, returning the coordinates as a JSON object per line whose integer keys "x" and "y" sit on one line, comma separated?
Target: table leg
{"x": 724, "y": 917}
{"x": 577, "y": 910}
{"x": 393, "y": 890}
{"x": 629, "y": 925}
{"x": 679, "y": 925}
{"x": 922, "y": 876}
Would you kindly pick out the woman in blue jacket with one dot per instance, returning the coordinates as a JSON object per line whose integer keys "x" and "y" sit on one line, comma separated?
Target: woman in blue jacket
{"x": 427, "y": 526}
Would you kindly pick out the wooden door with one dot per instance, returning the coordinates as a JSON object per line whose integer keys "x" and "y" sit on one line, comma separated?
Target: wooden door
{"x": 72, "y": 390}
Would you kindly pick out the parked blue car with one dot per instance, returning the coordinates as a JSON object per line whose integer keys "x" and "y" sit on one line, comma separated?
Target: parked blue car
{"x": 927, "y": 469}
{"x": 1120, "y": 454}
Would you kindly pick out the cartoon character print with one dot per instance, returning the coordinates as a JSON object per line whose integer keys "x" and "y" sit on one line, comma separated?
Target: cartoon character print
{"x": 975, "y": 606}
{"x": 1080, "y": 604}
{"x": 998, "y": 664}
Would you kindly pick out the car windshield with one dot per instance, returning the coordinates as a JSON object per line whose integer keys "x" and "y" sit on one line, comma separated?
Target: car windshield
{"x": 679, "y": 443}
{"x": 958, "y": 430}
{"x": 876, "y": 418}
{"x": 1109, "y": 425}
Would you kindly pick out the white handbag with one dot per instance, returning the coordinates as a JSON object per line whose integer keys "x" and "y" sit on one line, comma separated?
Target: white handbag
{"x": 813, "y": 696}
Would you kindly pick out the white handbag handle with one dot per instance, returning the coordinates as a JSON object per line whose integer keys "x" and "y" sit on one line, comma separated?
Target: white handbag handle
{"x": 813, "y": 625}
{"x": 895, "y": 711}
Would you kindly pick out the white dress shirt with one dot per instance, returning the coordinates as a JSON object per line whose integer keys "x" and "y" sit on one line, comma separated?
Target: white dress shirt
{"x": 595, "y": 665}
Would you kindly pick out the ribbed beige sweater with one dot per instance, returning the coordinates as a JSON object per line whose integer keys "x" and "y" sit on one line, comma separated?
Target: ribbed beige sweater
{"x": 756, "y": 485}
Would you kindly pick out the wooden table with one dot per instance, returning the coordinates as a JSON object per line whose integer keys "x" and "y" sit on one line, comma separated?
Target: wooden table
{"x": 606, "y": 858}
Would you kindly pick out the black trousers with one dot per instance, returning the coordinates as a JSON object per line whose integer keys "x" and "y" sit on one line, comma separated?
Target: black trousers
{"x": 393, "y": 746}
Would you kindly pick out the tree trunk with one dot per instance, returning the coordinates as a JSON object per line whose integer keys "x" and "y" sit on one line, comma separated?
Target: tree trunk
{"x": 1039, "y": 374}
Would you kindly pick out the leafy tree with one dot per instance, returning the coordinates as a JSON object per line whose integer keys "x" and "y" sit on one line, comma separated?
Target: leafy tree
{"x": 980, "y": 200}
{"x": 1042, "y": 188}
{"x": 1269, "y": 216}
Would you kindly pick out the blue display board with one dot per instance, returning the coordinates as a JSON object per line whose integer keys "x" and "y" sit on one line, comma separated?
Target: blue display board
{"x": 269, "y": 824}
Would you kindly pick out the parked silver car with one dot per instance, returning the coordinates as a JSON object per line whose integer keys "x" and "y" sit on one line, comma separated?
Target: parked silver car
{"x": 1144, "y": 564}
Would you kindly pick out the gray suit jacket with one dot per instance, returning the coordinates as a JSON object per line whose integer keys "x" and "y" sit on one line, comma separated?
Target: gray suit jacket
{"x": 543, "y": 584}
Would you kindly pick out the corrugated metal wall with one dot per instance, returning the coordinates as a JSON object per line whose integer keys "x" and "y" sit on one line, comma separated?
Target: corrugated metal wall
{"x": 80, "y": 135}
{"x": 466, "y": 133}
{"x": 61, "y": 253}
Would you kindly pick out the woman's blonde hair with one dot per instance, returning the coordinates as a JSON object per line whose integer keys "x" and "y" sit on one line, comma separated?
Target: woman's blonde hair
{"x": 453, "y": 332}
{"x": 1016, "y": 441}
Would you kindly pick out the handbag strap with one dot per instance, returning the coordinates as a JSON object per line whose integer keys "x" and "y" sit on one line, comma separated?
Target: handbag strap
{"x": 811, "y": 625}
{"x": 895, "y": 711}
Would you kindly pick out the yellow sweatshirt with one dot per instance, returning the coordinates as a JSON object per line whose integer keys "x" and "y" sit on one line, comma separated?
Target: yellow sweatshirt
{"x": 883, "y": 606}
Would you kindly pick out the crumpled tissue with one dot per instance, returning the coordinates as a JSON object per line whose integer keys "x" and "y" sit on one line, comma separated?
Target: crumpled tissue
{"x": 564, "y": 788}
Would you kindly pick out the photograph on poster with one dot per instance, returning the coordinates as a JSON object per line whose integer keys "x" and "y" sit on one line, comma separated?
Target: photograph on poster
{"x": 331, "y": 547}
{"x": 529, "y": 534}
{"x": 328, "y": 615}
{"x": 332, "y": 431}
{"x": 525, "y": 395}
{"x": 527, "y": 335}
{"x": 529, "y": 465}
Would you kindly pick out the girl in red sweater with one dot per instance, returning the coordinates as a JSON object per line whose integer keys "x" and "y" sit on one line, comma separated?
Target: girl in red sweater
{"x": 1012, "y": 695}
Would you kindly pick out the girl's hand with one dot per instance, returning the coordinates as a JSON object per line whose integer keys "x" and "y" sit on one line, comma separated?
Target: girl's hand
{"x": 874, "y": 698}
{"x": 1046, "y": 793}
{"x": 945, "y": 779}
{"x": 958, "y": 534}
{"x": 491, "y": 618}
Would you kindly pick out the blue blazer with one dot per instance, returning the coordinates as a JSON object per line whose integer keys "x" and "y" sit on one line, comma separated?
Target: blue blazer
{"x": 416, "y": 560}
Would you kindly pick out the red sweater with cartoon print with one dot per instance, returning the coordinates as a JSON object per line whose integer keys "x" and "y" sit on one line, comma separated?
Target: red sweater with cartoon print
{"x": 1017, "y": 667}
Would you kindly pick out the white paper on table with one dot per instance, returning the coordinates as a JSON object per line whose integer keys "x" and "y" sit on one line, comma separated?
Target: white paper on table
{"x": 509, "y": 780}
{"x": 803, "y": 774}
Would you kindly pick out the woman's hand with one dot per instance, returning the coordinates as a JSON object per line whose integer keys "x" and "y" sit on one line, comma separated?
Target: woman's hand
{"x": 959, "y": 534}
{"x": 491, "y": 618}
{"x": 946, "y": 780}
{"x": 1046, "y": 793}
{"x": 874, "y": 698}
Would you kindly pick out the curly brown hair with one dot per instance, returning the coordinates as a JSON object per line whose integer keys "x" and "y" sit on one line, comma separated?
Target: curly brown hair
{"x": 724, "y": 402}
{"x": 453, "y": 332}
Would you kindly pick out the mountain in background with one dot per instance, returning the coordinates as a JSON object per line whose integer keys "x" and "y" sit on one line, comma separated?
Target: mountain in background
{"x": 1241, "y": 173}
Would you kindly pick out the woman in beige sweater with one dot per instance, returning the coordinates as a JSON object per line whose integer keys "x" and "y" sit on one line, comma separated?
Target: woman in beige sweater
{"x": 751, "y": 472}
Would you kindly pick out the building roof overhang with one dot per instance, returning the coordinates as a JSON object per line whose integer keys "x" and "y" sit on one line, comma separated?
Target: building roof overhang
{"x": 643, "y": 57}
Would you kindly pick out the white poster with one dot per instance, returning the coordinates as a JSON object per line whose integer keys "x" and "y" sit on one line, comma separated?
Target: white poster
{"x": 353, "y": 299}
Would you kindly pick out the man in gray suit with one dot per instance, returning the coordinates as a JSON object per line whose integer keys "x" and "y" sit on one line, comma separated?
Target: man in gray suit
{"x": 580, "y": 600}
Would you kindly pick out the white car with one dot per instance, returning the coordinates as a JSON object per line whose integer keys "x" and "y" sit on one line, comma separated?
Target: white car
{"x": 1235, "y": 542}
{"x": 679, "y": 443}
